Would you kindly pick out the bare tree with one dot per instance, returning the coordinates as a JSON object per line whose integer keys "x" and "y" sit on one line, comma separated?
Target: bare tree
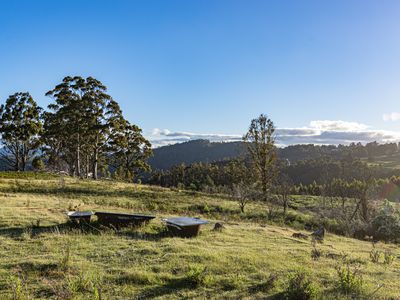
{"x": 283, "y": 189}
{"x": 243, "y": 193}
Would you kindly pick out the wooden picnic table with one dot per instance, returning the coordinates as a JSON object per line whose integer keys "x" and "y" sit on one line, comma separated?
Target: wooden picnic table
{"x": 122, "y": 219}
{"x": 184, "y": 226}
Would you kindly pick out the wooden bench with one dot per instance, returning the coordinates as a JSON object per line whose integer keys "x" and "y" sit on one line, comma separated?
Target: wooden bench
{"x": 184, "y": 226}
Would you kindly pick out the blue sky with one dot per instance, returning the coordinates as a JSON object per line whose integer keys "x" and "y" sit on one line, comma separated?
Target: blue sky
{"x": 188, "y": 69}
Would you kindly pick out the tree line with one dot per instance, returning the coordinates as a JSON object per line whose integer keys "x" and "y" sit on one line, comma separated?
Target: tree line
{"x": 82, "y": 132}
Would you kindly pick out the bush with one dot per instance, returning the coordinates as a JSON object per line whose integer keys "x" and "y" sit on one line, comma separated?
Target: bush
{"x": 388, "y": 257}
{"x": 375, "y": 255}
{"x": 38, "y": 164}
{"x": 316, "y": 253}
{"x": 300, "y": 286}
{"x": 386, "y": 225}
{"x": 350, "y": 281}
{"x": 197, "y": 276}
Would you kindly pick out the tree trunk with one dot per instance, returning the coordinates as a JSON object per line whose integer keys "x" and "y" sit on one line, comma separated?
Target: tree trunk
{"x": 364, "y": 207}
{"x": 16, "y": 166}
{"x": 78, "y": 159}
{"x": 23, "y": 158}
{"x": 87, "y": 167}
{"x": 285, "y": 204}
{"x": 95, "y": 160}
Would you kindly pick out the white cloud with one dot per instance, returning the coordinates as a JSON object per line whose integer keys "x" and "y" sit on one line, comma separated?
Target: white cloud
{"x": 337, "y": 125}
{"x": 394, "y": 116}
{"x": 318, "y": 132}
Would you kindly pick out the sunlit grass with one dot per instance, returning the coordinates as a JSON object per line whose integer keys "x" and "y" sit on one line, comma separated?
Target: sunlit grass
{"x": 48, "y": 259}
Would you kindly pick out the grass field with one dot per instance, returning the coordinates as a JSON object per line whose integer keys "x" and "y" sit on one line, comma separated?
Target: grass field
{"x": 387, "y": 161}
{"x": 41, "y": 256}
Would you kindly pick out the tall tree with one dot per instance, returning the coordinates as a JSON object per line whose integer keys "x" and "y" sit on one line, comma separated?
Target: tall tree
{"x": 104, "y": 117}
{"x": 260, "y": 143}
{"x": 81, "y": 122}
{"x": 66, "y": 121}
{"x": 20, "y": 126}
{"x": 130, "y": 150}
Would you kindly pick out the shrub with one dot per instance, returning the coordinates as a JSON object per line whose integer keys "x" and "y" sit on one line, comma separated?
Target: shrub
{"x": 350, "y": 281}
{"x": 386, "y": 225}
{"x": 84, "y": 282}
{"x": 66, "y": 257}
{"x": 38, "y": 164}
{"x": 264, "y": 286}
{"x": 300, "y": 286}
{"x": 197, "y": 276}
{"x": 233, "y": 281}
{"x": 388, "y": 257}
{"x": 17, "y": 288}
{"x": 375, "y": 255}
{"x": 316, "y": 253}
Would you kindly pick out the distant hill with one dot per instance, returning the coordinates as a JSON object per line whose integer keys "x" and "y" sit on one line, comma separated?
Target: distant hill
{"x": 194, "y": 151}
{"x": 205, "y": 151}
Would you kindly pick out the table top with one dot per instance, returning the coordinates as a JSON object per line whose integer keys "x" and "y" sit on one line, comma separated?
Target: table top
{"x": 77, "y": 214}
{"x": 116, "y": 214}
{"x": 185, "y": 221}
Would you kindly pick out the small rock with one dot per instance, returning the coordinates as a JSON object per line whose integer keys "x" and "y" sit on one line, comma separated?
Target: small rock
{"x": 218, "y": 227}
{"x": 299, "y": 235}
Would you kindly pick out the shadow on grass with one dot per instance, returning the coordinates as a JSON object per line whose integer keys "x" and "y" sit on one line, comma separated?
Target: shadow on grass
{"x": 170, "y": 287}
{"x": 94, "y": 228}
{"x": 69, "y": 191}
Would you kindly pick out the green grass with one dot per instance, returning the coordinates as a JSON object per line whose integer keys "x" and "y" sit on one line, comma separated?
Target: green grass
{"x": 387, "y": 161}
{"x": 42, "y": 257}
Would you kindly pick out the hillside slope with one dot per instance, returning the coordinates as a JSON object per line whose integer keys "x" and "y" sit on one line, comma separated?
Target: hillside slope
{"x": 42, "y": 257}
{"x": 194, "y": 151}
{"x": 206, "y": 152}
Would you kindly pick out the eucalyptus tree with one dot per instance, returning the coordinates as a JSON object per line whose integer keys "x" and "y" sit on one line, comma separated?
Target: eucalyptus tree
{"x": 80, "y": 122}
{"x": 20, "y": 127}
{"x": 65, "y": 123}
{"x": 260, "y": 143}
{"x": 130, "y": 150}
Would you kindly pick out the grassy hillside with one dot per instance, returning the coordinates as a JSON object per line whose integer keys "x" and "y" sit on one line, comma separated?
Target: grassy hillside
{"x": 387, "y": 161}
{"x": 42, "y": 257}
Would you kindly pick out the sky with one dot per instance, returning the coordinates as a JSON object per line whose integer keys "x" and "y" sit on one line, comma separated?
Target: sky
{"x": 323, "y": 71}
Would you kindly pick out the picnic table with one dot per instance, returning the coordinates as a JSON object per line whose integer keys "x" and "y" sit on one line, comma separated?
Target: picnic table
{"x": 122, "y": 219}
{"x": 184, "y": 226}
{"x": 80, "y": 217}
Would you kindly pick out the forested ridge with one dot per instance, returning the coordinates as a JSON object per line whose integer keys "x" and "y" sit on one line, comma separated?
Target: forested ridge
{"x": 207, "y": 152}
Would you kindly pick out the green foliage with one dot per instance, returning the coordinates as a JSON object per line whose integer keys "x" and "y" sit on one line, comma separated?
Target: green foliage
{"x": 85, "y": 127}
{"x": 300, "y": 286}
{"x": 204, "y": 176}
{"x": 388, "y": 257}
{"x": 20, "y": 128}
{"x": 66, "y": 257}
{"x": 386, "y": 224}
{"x": 130, "y": 150}
{"x": 315, "y": 252}
{"x": 38, "y": 164}
{"x": 375, "y": 255}
{"x": 197, "y": 276}
{"x": 350, "y": 281}
{"x": 260, "y": 144}
{"x": 18, "y": 288}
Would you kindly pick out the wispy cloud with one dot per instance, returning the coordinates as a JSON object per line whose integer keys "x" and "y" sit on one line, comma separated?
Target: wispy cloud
{"x": 393, "y": 116}
{"x": 317, "y": 132}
